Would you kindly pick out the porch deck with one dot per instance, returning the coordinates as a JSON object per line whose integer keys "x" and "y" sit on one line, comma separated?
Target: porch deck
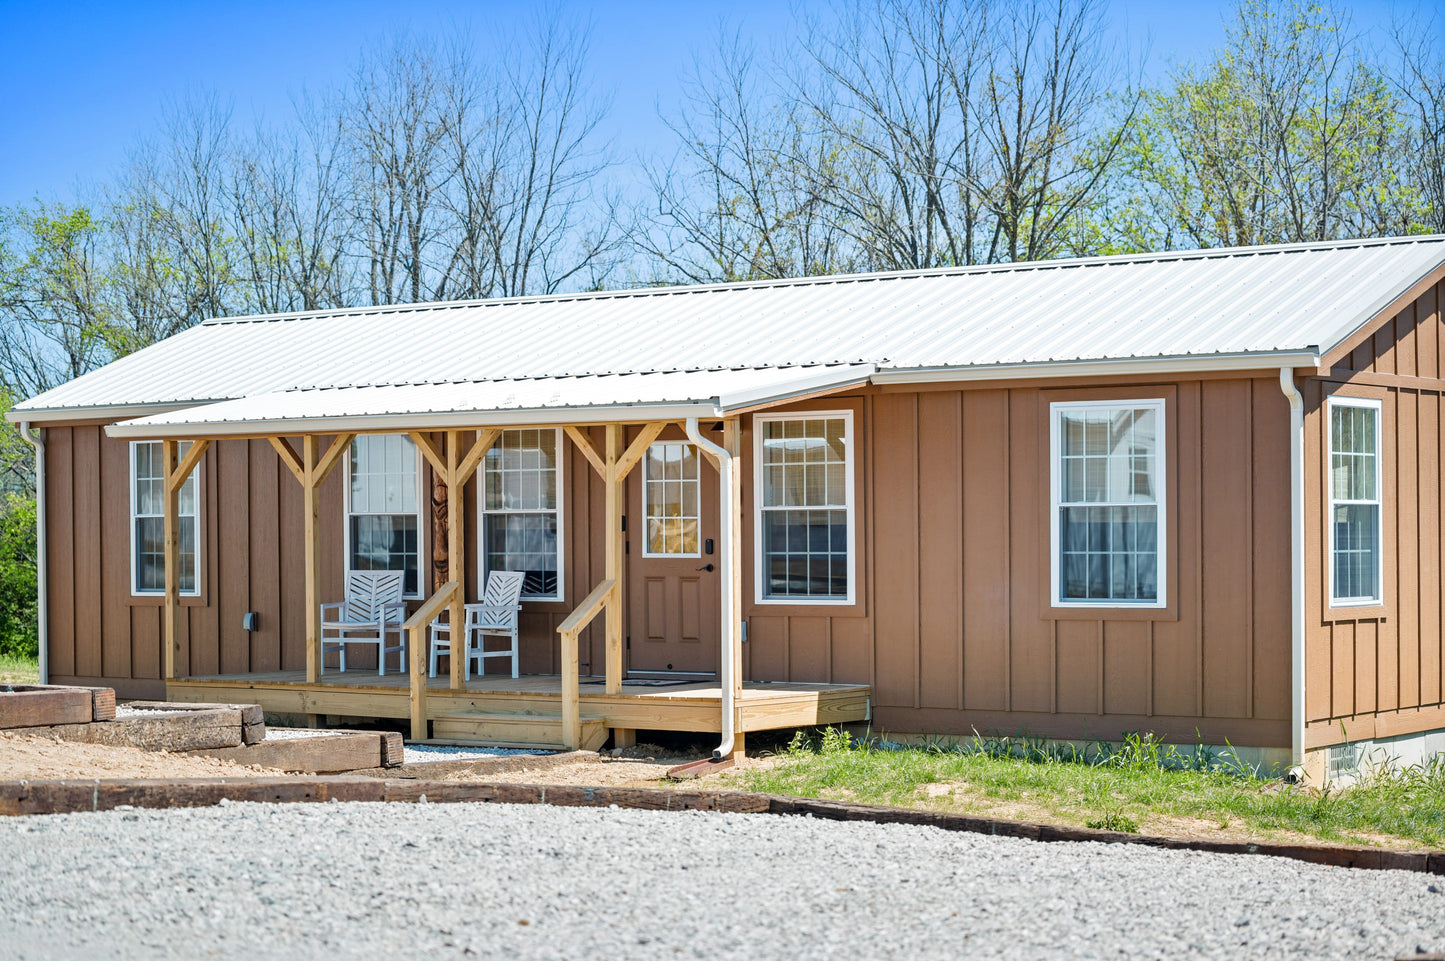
{"x": 690, "y": 706}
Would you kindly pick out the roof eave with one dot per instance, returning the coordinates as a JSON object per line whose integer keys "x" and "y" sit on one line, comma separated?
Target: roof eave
{"x": 1111, "y": 367}
{"x": 43, "y": 415}
{"x": 435, "y": 420}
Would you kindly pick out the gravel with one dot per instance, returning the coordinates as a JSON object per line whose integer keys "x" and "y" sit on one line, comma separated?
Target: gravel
{"x": 421, "y": 753}
{"x": 449, "y": 880}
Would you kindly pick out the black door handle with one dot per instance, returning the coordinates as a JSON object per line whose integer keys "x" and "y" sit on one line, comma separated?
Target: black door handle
{"x": 706, "y": 567}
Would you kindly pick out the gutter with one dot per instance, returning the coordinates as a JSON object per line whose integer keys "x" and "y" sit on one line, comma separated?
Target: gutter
{"x": 42, "y": 608}
{"x": 1297, "y": 564}
{"x": 1186, "y": 364}
{"x": 727, "y": 485}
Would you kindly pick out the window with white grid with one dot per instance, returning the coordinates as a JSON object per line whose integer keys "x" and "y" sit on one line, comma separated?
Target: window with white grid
{"x": 1108, "y": 503}
{"x": 148, "y": 521}
{"x": 805, "y": 507}
{"x": 1355, "y": 530}
{"x": 383, "y": 507}
{"x": 670, "y": 500}
{"x": 520, "y": 516}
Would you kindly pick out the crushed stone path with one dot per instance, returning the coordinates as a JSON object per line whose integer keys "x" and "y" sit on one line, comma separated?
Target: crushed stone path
{"x": 440, "y": 881}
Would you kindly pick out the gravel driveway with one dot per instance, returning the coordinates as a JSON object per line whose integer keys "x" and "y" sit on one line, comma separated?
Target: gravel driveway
{"x": 454, "y": 880}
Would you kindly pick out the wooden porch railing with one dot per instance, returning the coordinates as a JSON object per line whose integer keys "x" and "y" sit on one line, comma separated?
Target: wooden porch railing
{"x": 603, "y": 595}
{"x": 416, "y": 646}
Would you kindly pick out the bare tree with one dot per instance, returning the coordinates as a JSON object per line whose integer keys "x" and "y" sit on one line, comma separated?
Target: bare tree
{"x": 1421, "y": 83}
{"x": 742, "y": 197}
{"x": 397, "y": 129}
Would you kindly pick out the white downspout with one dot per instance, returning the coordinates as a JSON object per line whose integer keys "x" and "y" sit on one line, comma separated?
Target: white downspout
{"x": 41, "y": 606}
{"x": 727, "y": 472}
{"x": 1297, "y": 563}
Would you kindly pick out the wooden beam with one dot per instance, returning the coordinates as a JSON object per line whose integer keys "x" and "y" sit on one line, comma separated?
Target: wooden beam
{"x": 311, "y": 512}
{"x": 429, "y": 451}
{"x": 172, "y": 508}
{"x": 585, "y": 446}
{"x": 289, "y": 458}
{"x": 339, "y": 446}
{"x": 467, "y": 466}
{"x": 637, "y": 448}
{"x": 612, "y": 552}
{"x": 456, "y": 561}
{"x": 188, "y": 463}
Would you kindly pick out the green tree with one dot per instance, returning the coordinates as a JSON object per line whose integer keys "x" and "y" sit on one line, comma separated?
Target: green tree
{"x": 18, "y": 625}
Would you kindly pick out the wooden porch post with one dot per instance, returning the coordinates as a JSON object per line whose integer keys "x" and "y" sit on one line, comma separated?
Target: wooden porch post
{"x": 310, "y": 469}
{"x": 613, "y": 548}
{"x": 456, "y": 559}
{"x": 169, "y": 457}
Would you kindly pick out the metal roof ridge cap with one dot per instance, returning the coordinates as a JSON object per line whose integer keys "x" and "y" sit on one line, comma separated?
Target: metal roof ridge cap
{"x": 921, "y": 273}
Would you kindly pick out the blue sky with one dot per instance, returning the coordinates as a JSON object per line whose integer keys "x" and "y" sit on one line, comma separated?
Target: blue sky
{"x": 80, "y": 82}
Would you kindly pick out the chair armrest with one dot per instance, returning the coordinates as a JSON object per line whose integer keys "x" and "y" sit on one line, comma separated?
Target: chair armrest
{"x": 333, "y": 605}
{"x": 494, "y": 607}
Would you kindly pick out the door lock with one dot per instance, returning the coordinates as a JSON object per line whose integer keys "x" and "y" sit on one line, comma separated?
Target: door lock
{"x": 706, "y": 567}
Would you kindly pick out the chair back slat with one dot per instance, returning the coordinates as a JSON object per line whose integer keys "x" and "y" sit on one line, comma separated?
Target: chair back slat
{"x": 368, "y": 591}
{"x": 504, "y": 590}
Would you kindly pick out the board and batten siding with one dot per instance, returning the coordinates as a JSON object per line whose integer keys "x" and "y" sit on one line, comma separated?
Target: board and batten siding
{"x": 1380, "y": 671}
{"x": 954, "y": 628}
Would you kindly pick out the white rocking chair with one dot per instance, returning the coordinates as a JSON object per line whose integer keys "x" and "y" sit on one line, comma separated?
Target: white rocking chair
{"x": 497, "y": 614}
{"x": 372, "y": 612}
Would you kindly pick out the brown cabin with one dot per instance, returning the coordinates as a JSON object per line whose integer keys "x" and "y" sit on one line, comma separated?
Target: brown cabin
{"x": 1195, "y": 494}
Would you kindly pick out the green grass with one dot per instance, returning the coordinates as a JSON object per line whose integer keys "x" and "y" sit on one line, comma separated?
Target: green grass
{"x": 18, "y": 669}
{"x": 1138, "y": 784}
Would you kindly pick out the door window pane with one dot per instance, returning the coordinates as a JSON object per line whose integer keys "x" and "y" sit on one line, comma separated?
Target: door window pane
{"x": 670, "y": 500}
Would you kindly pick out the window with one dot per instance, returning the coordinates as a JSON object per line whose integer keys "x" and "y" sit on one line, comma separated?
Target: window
{"x": 670, "y": 500}
{"x": 1355, "y": 529}
{"x": 520, "y": 522}
{"x": 1108, "y": 503}
{"x": 148, "y": 521}
{"x": 804, "y": 532}
{"x": 383, "y": 507}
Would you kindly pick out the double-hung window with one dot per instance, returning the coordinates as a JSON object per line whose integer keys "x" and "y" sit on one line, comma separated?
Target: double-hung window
{"x": 148, "y": 521}
{"x": 520, "y": 517}
{"x": 804, "y": 531}
{"x": 670, "y": 500}
{"x": 1107, "y": 479}
{"x": 1355, "y": 528}
{"x": 383, "y": 507}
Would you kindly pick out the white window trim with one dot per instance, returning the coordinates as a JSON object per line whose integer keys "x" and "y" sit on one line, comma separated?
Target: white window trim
{"x": 423, "y": 496}
{"x": 1379, "y": 502}
{"x": 645, "y": 485}
{"x": 199, "y": 475}
{"x": 849, "y": 469}
{"x": 1161, "y": 454}
{"x": 482, "y": 512}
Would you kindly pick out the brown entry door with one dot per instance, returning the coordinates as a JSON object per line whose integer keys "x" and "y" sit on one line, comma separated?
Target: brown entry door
{"x": 672, "y": 597}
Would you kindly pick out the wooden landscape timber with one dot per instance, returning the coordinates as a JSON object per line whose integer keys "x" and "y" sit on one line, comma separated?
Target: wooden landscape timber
{"x": 333, "y": 752}
{"x": 171, "y": 730}
{"x": 34, "y": 705}
{"x": 19, "y": 798}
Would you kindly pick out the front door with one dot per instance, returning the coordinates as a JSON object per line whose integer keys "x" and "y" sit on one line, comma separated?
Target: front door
{"x": 673, "y": 584}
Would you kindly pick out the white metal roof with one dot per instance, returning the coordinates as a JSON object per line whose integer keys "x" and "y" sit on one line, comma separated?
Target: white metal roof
{"x": 1239, "y": 307}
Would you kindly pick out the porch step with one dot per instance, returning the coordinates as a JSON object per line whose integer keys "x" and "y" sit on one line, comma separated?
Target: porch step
{"x": 515, "y": 730}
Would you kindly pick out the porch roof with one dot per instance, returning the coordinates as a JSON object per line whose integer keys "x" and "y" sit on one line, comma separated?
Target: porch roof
{"x": 671, "y": 395}
{"x": 1238, "y": 307}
